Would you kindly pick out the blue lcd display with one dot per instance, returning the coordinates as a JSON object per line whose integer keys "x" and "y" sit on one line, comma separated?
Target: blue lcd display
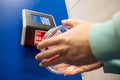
{"x": 40, "y": 20}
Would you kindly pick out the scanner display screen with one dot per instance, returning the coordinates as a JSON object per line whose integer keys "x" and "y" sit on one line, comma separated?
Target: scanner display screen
{"x": 40, "y": 20}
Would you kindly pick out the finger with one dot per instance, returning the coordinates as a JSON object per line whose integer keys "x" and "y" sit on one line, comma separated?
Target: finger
{"x": 49, "y": 42}
{"x": 95, "y": 66}
{"x": 90, "y": 67}
{"x": 71, "y": 22}
{"x": 84, "y": 68}
{"x": 61, "y": 68}
{"x": 77, "y": 70}
{"x": 62, "y": 65}
{"x": 58, "y": 50}
{"x": 55, "y": 61}
{"x": 74, "y": 71}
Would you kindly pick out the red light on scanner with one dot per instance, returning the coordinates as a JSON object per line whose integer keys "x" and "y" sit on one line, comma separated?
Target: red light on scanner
{"x": 38, "y": 36}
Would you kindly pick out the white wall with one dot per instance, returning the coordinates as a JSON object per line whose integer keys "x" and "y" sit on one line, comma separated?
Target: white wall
{"x": 94, "y": 11}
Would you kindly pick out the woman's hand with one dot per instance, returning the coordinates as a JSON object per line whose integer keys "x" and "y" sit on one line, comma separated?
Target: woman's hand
{"x": 84, "y": 68}
{"x": 69, "y": 70}
{"x": 72, "y": 46}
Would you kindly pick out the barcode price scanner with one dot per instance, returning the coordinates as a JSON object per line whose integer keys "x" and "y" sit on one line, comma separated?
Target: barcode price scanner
{"x": 35, "y": 25}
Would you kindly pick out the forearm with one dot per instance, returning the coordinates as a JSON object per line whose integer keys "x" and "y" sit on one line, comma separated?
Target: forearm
{"x": 104, "y": 42}
{"x": 104, "y": 39}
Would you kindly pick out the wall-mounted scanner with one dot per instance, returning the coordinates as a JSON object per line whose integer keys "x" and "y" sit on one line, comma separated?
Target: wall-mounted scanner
{"x": 35, "y": 24}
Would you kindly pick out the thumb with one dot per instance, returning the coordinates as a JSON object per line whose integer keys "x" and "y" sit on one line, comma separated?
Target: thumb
{"x": 71, "y": 22}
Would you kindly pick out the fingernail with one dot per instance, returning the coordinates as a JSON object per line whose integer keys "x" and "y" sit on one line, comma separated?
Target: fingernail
{"x": 37, "y": 46}
{"x": 36, "y": 57}
{"x": 66, "y": 75}
{"x": 64, "y": 20}
{"x": 40, "y": 64}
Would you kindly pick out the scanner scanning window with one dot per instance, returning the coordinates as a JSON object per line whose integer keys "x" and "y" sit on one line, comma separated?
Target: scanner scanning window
{"x": 40, "y": 20}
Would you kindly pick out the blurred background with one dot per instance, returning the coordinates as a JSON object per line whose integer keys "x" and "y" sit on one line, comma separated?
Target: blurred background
{"x": 17, "y": 62}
